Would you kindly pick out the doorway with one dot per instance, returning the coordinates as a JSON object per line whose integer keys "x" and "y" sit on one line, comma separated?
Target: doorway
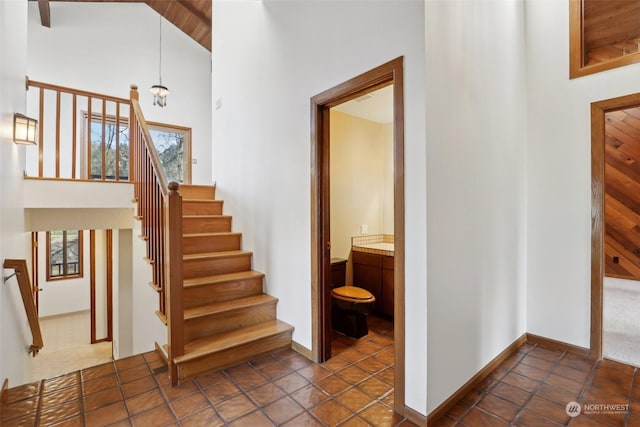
{"x": 606, "y": 253}
{"x": 390, "y": 73}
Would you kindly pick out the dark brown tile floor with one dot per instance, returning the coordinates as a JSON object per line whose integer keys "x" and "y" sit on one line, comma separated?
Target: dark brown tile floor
{"x": 534, "y": 386}
{"x": 353, "y": 388}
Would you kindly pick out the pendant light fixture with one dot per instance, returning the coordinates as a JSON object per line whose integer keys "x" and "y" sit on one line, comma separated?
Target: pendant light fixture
{"x": 159, "y": 91}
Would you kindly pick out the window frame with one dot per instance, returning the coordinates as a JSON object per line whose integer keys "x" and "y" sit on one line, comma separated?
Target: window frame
{"x": 80, "y": 273}
{"x": 576, "y": 47}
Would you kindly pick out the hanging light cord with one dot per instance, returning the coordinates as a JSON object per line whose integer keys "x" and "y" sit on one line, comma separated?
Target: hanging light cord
{"x": 160, "y": 55}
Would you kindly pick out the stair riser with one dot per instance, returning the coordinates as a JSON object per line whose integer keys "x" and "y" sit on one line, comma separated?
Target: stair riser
{"x": 191, "y": 207}
{"x": 216, "y": 265}
{"x": 219, "y": 292}
{"x": 206, "y": 225}
{"x": 198, "y": 192}
{"x": 233, "y": 356}
{"x": 200, "y": 244}
{"x": 217, "y": 323}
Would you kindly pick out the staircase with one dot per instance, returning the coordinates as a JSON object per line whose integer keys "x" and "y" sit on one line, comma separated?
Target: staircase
{"x": 228, "y": 318}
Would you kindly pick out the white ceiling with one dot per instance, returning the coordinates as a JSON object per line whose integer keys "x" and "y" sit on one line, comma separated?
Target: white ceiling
{"x": 376, "y": 106}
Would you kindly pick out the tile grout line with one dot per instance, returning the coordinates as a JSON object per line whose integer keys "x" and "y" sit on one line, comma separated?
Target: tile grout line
{"x": 535, "y": 393}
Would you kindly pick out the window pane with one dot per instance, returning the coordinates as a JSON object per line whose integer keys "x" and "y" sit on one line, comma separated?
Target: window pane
{"x": 170, "y": 148}
{"x": 110, "y": 134}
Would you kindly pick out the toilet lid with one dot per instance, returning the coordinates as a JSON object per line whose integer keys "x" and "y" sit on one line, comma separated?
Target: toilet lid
{"x": 352, "y": 292}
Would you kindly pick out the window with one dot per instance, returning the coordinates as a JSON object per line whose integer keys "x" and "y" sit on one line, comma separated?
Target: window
{"x": 603, "y": 35}
{"x": 172, "y": 143}
{"x": 115, "y": 138}
{"x": 64, "y": 254}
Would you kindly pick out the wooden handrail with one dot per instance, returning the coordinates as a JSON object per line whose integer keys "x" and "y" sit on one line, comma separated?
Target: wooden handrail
{"x": 22, "y": 275}
{"x": 160, "y": 210}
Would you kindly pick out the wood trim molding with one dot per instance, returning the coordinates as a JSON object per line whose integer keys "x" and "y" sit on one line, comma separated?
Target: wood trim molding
{"x": 389, "y": 73}
{"x": 558, "y": 345}
{"x": 456, "y": 397}
{"x": 598, "y": 111}
{"x": 415, "y": 416}
{"x": 304, "y": 351}
{"x": 162, "y": 354}
{"x": 5, "y": 387}
{"x": 92, "y": 283}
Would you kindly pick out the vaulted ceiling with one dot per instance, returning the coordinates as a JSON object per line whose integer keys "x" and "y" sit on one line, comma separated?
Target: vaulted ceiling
{"x": 193, "y": 17}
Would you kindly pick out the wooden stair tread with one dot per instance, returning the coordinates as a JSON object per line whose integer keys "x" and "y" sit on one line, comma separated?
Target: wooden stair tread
{"x": 227, "y": 340}
{"x": 212, "y": 234}
{"x": 206, "y": 216}
{"x": 222, "y": 254}
{"x": 221, "y": 278}
{"x": 224, "y": 306}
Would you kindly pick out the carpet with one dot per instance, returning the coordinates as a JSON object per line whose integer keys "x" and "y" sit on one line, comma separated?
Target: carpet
{"x": 621, "y": 321}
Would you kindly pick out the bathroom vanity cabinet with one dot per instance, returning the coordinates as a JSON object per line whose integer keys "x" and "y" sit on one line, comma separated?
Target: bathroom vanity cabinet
{"x": 374, "y": 273}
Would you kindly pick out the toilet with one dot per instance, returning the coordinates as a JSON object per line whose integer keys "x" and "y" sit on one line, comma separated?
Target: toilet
{"x": 350, "y": 305}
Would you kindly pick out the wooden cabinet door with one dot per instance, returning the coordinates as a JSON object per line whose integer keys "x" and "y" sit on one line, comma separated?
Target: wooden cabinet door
{"x": 387, "y": 292}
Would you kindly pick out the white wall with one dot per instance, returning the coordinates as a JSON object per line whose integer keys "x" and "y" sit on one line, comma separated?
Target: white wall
{"x": 14, "y": 335}
{"x": 475, "y": 186}
{"x": 269, "y": 59}
{"x": 358, "y": 179}
{"x": 559, "y": 172}
{"x": 146, "y": 328}
{"x": 105, "y": 47}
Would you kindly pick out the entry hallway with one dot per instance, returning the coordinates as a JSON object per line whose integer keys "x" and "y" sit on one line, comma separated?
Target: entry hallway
{"x": 353, "y": 388}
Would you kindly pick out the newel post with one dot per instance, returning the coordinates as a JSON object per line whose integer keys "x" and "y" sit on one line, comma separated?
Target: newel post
{"x": 133, "y": 96}
{"x": 173, "y": 269}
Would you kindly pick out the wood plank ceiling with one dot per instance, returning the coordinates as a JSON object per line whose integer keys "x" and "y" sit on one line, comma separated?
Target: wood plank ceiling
{"x": 622, "y": 194}
{"x": 193, "y": 17}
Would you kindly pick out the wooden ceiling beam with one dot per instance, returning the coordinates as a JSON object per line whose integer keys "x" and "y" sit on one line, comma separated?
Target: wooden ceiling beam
{"x": 45, "y": 13}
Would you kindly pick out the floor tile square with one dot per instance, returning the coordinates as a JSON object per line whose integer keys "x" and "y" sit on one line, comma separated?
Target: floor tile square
{"x": 310, "y": 396}
{"x": 206, "y": 418}
{"x": 235, "y": 407}
{"x": 331, "y": 413}
{"x": 189, "y": 405}
{"x": 499, "y": 407}
{"x": 144, "y": 402}
{"x": 283, "y": 410}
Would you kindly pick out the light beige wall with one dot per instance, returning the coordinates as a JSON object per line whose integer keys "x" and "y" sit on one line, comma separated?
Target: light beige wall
{"x": 358, "y": 179}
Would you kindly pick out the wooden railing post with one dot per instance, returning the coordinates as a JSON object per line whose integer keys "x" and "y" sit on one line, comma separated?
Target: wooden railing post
{"x": 173, "y": 269}
{"x": 133, "y": 95}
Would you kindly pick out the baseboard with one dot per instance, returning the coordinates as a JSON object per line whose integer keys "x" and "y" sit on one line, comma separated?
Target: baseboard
{"x": 5, "y": 387}
{"x": 415, "y": 416}
{"x": 456, "y": 397}
{"x": 549, "y": 343}
{"x": 161, "y": 353}
{"x": 558, "y": 345}
{"x": 299, "y": 348}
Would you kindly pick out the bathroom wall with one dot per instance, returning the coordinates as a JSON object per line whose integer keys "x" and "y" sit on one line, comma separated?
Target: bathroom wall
{"x": 361, "y": 182}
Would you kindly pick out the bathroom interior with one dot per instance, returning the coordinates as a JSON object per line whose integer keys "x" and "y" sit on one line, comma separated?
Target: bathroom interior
{"x": 362, "y": 218}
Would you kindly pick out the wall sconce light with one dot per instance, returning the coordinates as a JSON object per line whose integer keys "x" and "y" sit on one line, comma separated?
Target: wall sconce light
{"x": 24, "y": 129}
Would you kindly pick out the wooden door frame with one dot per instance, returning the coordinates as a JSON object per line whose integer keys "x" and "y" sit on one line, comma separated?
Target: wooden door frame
{"x": 108, "y": 260}
{"x": 384, "y": 75}
{"x": 598, "y": 112}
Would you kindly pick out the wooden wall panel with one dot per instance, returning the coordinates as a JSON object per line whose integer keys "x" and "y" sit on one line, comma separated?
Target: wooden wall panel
{"x": 610, "y": 22}
{"x": 622, "y": 194}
